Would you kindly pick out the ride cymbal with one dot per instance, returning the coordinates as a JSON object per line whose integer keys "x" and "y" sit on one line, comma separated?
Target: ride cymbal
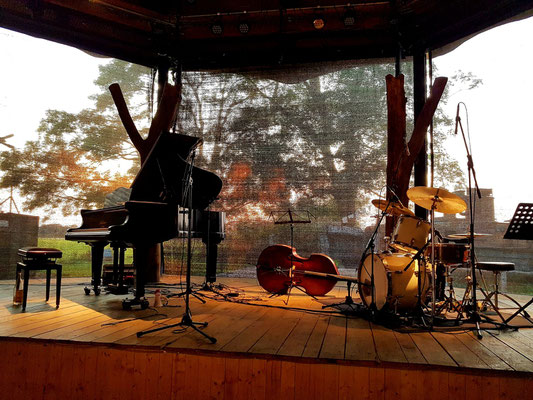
{"x": 392, "y": 207}
{"x": 437, "y": 199}
{"x": 464, "y": 235}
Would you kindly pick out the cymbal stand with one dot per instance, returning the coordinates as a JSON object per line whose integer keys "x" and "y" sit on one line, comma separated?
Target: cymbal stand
{"x": 419, "y": 310}
{"x": 371, "y": 245}
{"x": 433, "y": 267}
{"x": 450, "y": 303}
{"x": 186, "y": 320}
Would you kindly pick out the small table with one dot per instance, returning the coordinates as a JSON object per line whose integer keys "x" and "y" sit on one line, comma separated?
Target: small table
{"x": 39, "y": 259}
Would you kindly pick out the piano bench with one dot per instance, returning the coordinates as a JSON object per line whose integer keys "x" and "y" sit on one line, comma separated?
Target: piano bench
{"x": 38, "y": 259}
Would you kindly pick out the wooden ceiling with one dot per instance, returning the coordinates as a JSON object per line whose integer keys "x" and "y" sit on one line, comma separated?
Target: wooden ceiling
{"x": 218, "y": 34}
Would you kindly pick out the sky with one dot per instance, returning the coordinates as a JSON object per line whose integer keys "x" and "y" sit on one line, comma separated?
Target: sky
{"x": 37, "y": 75}
{"x": 499, "y": 111}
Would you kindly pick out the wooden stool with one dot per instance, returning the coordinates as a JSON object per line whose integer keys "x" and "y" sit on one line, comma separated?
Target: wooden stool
{"x": 496, "y": 268}
{"x": 39, "y": 259}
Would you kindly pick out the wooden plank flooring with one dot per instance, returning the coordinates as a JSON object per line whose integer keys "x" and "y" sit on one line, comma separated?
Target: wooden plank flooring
{"x": 269, "y": 328}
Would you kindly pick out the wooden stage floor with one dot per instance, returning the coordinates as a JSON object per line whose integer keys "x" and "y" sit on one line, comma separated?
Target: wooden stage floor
{"x": 267, "y": 330}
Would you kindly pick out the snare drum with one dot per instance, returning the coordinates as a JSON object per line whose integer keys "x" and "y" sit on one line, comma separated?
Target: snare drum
{"x": 394, "y": 288}
{"x": 449, "y": 253}
{"x": 410, "y": 234}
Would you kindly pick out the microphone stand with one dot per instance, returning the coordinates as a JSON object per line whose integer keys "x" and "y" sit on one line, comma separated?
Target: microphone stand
{"x": 474, "y": 314}
{"x": 186, "y": 320}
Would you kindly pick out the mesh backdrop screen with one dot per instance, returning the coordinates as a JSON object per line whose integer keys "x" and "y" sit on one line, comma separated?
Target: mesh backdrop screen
{"x": 316, "y": 147}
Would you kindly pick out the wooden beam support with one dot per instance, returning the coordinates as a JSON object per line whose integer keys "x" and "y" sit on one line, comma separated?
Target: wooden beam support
{"x": 419, "y": 98}
{"x": 166, "y": 112}
{"x": 396, "y": 117}
{"x": 398, "y": 176}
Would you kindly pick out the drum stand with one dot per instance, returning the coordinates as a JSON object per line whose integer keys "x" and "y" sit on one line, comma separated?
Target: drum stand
{"x": 419, "y": 310}
{"x": 371, "y": 245}
{"x": 450, "y": 302}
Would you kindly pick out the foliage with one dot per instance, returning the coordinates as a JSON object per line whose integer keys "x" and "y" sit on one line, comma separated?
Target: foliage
{"x": 317, "y": 144}
{"x": 65, "y": 167}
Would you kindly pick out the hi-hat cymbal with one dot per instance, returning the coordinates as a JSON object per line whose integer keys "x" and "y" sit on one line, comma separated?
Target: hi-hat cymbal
{"x": 436, "y": 198}
{"x": 467, "y": 235}
{"x": 392, "y": 207}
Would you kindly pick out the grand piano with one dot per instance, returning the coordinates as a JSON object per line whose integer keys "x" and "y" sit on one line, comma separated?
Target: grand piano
{"x": 158, "y": 210}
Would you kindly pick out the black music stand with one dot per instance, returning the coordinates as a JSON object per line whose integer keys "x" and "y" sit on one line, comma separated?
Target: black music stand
{"x": 292, "y": 217}
{"x": 521, "y": 228}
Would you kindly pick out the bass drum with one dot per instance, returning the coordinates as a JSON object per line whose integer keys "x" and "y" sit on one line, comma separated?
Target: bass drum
{"x": 395, "y": 288}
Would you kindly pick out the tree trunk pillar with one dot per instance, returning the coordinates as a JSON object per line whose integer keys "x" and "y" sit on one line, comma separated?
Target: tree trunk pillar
{"x": 419, "y": 99}
{"x": 396, "y": 117}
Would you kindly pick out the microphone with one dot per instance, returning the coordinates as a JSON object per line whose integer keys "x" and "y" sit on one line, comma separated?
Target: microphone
{"x": 457, "y": 118}
{"x": 394, "y": 193}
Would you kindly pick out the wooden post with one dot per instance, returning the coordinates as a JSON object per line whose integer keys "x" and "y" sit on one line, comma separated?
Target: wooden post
{"x": 154, "y": 257}
{"x": 162, "y": 80}
{"x": 398, "y": 175}
{"x": 419, "y": 99}
{"x": 396, "y": 116}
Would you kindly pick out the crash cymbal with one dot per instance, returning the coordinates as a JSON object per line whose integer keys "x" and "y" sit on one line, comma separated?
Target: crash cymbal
{"x": 467, "y": 235}
{"x": 437, "y": 198}
{"x": 392, "y": 207}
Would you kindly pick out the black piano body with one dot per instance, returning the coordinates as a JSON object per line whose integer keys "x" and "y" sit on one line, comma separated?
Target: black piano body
{"x": 157, "y": 211}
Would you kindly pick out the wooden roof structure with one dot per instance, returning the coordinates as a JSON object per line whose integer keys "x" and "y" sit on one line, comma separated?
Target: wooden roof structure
{"x": 214, "y": 35}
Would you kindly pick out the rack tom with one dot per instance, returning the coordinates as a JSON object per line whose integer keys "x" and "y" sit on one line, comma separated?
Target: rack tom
{"x": 410, "y": 234}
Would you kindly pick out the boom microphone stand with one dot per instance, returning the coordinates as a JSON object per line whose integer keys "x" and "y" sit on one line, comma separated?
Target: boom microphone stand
{"x": 474, "y": 313}
{"x": 186, "y": 320}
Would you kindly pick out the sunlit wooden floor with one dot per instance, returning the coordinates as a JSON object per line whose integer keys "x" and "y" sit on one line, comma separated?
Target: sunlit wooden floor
{"x": 269, "y": 327}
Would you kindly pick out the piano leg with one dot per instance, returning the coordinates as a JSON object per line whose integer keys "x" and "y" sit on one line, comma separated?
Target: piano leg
{"x": 117, "y": 285}
{"x": 140, "y": 262}
{"x": 97, "y": 256}
{"x": 211, "y": 246}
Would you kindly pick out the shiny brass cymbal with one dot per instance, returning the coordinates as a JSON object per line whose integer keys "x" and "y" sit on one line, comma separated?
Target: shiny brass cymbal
{"x": 464, "y": 235}
{"x": 393, "y": 208}
{"x": 436, "y": 198}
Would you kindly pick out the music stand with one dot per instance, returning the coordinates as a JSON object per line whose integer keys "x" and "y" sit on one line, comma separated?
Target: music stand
{"x": 291, "y": 217}
{"x": 521, "y": 228}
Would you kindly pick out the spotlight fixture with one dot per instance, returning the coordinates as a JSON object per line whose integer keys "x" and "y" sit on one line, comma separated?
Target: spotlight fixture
{"x": 348, "y": 18}
{"x": 244, "y": 27}
{"x": 217, "y": 28}
{"x": 319, "y": 22}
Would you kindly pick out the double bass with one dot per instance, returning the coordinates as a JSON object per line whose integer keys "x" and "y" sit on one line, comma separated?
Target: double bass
{"x": 279, "y": 268}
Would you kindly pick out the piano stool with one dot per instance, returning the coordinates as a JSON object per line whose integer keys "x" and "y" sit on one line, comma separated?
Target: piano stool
{"x": 39, "y": 259}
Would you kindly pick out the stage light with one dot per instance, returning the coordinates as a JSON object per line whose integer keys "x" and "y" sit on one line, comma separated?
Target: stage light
{"x": 217, "y": 29}
{"x": 319, "y": 23}
{"x": 349, "y": 18}
{"x": 244, "y": 27}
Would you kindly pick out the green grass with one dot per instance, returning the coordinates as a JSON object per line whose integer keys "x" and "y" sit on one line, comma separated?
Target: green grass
{"x": 76, "y": 259}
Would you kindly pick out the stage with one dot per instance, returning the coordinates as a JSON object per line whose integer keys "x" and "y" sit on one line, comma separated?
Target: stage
{"x": 89, "y": 349}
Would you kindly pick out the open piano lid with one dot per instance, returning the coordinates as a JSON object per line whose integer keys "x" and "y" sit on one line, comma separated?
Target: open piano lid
{"x": 162, "y": 175}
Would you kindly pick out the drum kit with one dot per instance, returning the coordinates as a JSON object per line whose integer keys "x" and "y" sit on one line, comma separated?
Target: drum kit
{"x": 402, "y": 279}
